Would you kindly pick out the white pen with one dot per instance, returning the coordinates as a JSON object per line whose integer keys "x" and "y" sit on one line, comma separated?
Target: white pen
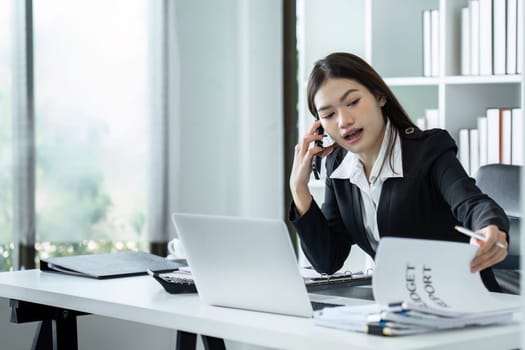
{"x": 470, "y": 233}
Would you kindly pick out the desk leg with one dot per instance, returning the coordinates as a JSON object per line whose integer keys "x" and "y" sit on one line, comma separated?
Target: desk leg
{"x": 212, "y": 343}
{"x": 188, "y": 341}
{"x": 57, "y": 329}
{"x": 60, "y": 332}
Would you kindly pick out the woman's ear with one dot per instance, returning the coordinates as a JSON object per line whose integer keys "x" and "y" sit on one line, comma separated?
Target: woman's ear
{"x": 381, "y": 100}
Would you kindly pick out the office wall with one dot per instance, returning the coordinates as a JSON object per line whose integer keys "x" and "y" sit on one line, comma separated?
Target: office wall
{"x": 230, "y": 107}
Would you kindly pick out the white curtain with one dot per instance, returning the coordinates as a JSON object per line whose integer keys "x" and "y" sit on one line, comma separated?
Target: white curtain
{"x": 165, "y": 122}
{"x": 23, "y": 129}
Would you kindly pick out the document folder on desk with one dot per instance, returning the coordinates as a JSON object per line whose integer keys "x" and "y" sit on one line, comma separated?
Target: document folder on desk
{"x": 110, "y": 265}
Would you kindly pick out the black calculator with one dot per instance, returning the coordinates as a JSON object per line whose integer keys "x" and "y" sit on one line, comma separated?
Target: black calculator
{"x": 174, "y": 283}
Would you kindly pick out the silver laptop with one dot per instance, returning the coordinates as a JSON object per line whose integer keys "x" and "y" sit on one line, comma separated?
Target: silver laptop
{"x": 243, "y": 263}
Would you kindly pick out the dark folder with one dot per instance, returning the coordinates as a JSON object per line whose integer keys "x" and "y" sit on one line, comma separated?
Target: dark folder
{"x": 110, "y": 265}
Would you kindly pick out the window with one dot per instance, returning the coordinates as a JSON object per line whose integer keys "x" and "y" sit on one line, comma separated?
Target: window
{"x": 91, "y": 123}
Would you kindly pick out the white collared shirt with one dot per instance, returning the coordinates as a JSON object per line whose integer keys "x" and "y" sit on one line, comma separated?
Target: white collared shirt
{"x": 352, "y": 169}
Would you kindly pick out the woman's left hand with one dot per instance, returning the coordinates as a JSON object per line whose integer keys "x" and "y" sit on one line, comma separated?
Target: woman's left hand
{"x": 489, "y": 253}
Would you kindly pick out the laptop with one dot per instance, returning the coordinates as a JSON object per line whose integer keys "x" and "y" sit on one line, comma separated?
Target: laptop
{"x": 244, "y": 263}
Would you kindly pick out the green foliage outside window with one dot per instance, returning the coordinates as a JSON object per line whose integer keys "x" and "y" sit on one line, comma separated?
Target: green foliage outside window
{"x": 49, "y": 249}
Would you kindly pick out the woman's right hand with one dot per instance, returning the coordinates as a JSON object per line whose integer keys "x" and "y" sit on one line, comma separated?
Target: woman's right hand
{"x": 302, "y": 168}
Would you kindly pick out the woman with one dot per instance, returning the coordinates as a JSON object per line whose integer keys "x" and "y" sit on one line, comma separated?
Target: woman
{"x": 385, "y": 177}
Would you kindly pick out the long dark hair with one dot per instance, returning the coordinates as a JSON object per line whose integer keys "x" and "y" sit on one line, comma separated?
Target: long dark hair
{"x": 349, "y": 66}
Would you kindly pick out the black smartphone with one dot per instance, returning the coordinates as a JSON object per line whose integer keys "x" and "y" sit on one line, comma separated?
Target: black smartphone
{"x": 316, "y": 161}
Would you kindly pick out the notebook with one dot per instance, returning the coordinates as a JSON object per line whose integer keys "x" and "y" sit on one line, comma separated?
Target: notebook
{"x": 243, "y": 263}
{"x": 108, "y": 265}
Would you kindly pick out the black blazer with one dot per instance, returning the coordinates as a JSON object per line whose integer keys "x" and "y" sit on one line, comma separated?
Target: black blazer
{"x": 433, "y": 196}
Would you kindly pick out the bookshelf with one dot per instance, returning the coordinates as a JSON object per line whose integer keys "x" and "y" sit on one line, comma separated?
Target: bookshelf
{"x": 398, "y": 57}
{"x": 393, "y": 45}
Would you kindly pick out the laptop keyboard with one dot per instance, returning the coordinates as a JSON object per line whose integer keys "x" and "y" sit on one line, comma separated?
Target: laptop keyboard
{"x": 316, "y": 305}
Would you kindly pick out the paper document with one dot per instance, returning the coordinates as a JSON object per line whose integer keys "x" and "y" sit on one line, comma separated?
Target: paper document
{"x": 420, "y": 286}
{"x": 435, "y": 274}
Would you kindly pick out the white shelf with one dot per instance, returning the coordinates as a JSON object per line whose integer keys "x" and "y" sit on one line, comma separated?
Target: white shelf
{"x": 459, "y": 99}
{"x": 489, "y": 79}
{"x": 393, "y": 45}
{"x": 454, "y": 80}
{"x": 412, "y": 81}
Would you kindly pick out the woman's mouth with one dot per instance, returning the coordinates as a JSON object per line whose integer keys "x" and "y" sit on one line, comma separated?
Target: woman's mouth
{"x": 353, "y": 136}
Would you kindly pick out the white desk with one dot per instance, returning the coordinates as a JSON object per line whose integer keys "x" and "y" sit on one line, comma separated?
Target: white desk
{"x": 141, "y": 299}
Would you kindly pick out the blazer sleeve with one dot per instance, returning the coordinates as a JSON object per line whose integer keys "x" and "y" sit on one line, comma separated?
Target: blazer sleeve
{"x": 324, "y": 239}
{"x": 469, "y": 205}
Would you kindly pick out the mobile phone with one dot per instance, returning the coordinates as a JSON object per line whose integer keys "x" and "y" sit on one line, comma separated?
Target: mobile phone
{"x": 316, "y": 160}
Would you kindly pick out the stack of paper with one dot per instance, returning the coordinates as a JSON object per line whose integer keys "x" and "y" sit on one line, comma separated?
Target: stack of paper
{"x": 403, "y": 319}
{"x": 416, "y": 290}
